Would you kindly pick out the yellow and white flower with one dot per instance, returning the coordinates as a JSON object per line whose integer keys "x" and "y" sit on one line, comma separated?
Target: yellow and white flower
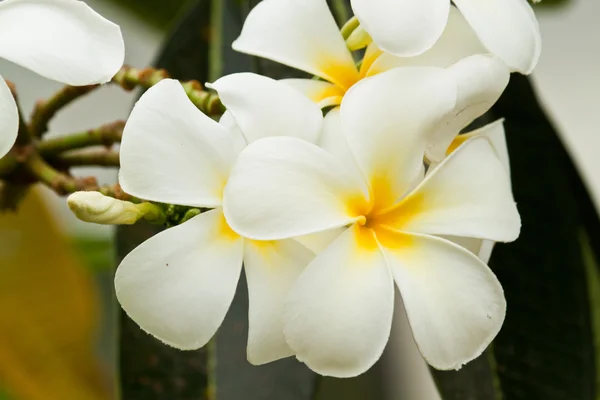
{"x": 179, "y": 284}
{"x": 62, "y": 40}
{"x": 370, "y": 182}
{"x": 303, "y": 34}
{"x": 506, "y": 28}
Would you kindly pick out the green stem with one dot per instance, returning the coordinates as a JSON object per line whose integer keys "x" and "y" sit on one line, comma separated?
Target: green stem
{"x": 101, "y": 158}
{"x": 45, "y": 110}
{"x": 105, "y": 135}
{"x": 56, "y": 180}
{"x": 130, "y": 78}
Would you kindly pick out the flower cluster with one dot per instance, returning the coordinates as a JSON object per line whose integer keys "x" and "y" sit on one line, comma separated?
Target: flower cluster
{"x": 329, "y": 191}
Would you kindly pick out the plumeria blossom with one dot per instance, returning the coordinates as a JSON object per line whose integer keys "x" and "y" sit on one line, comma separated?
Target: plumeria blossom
{"x": 507, "y": 28}
{"x": 368, "y": 179}
{"x": 62, "y": 40}
{"x": 179, "y": 284}
{"x": 303, "y": 34}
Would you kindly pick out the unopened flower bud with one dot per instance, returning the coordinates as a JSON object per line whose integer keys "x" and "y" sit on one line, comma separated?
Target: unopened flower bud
{"x": 358, "y": 39}
{"x": 96, "y": 208}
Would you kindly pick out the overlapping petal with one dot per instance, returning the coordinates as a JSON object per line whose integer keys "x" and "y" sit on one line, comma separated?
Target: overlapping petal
{"x": 264, "y": 107}
{"x": 283, "y": 187}
{"x": 300, "y": 34}
{"x": 467, "y": 195}
{"x": 403, "y": 27}
{"x": 457, "y": 42}
{"x": 507, "y": 28}
{"x": 323, "y": 93}
{"x": 339, "y": 314}
{"x": 455, "y": 304}
{"x": 179, "y": 284}
{"x": 63, "y": 40}
{"x": 388, "y": 120}
{"x": 271, "y": 269}
{"x": 481, "y": 80}
{"x": 173, "y": 153}
{"x": 9, "y": 119}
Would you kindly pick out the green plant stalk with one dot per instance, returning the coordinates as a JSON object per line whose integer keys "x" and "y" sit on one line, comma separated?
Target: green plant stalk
{"x": 101, "y": 158}
{"x": 105, "y": 135}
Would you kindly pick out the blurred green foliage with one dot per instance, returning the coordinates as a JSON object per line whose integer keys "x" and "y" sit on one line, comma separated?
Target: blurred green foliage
{"x": 159, "y": 13}
{"x": 97, "y": 254}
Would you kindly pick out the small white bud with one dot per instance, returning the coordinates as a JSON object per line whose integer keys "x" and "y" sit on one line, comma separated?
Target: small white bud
{"x": 96, "y": 208}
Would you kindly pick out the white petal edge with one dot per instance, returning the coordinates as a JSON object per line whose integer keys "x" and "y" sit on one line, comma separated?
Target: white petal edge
{"x": 457, "y": 42}
{"x": 388, "y": 133}
{"x": 454, "y": 302}
{"x": 481, "y": 81}
{"x": 173, "y": 153}
{"x": 403, "y": 27}
{"x": 323, "y": 93}
{"x": 9, "y": 119}
{"x": 469, "y": 194}
{"x": 300, "y": 34}
{"x": 63, "y": 40}
{"x": 179, "y": 284}
{"x": 338, "y": 316}
{"x": 271, "y": 269}
{"x": 283, "y": 187}
{"x": 264, "y": 107}
{"x": 507, "y": 28}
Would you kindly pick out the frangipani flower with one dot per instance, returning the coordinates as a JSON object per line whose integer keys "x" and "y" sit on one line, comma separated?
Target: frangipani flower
{"x": 62, "y": 40}
{"x": 179, "y": 284}
{"x": 303, "y": 34}
{"x": 507, "y": 28}
{"x": 338, "y": 315}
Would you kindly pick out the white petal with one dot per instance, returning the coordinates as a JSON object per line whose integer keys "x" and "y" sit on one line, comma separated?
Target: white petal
{"x": 229, "y": 122}
{"x": 323, "y": 93}
{"x": 264, "y": 107}
{"x": 339, "y": 314}
{"x": 497, "y": 136}
{"x": 468, "y": 195}
{"x": 481, "y": 80}
{"x": 9, "y": 119}
{"x": 507, "y": 28}
{"x": 271, "y": 269}
{"x": 317, "y": 242}
{"x": 457, "y": 42}
{"x": 335, "y": 141}
{"x": 301, "y": 34}
{"x": 403, "y": 27}
{"x": 283, "y": 187}
{"x": 387, "y": 133}
{"x": 454, "y": 302}
{"x": 63, "y": 40}
{"x": 179, "y": 284}
{"x": 173, "y": 153}
{"x": 481, "y": 248}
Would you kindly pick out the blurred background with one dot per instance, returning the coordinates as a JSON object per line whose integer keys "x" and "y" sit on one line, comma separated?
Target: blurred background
{"x": 57, "y": 311}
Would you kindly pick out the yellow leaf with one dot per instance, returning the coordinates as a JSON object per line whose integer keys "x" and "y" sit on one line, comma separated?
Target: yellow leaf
{"x": 48, "y": 311}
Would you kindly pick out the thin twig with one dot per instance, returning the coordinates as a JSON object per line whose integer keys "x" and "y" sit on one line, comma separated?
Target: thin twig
{"x": 61, "y": 183}
{"x": 105, "y": 135}
{"x": 45, "y": 110}
{"x": 130, "y": 78}
{"x": 100, "y": 158}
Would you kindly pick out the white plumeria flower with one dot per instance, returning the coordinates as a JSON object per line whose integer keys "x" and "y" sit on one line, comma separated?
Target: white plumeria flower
{"x": 303, "y": 34}
{"x": 179, "y": 284}
{"x": 62, "y": 40}
{"x": 338, "y": 315}
{"x": 507, "y": 28}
